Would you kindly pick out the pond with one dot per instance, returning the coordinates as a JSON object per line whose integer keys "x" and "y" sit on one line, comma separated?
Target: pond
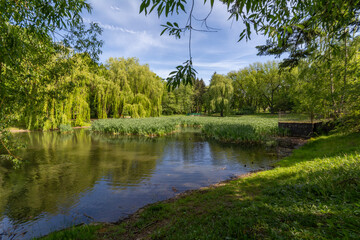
{"x": 84, "y": 177}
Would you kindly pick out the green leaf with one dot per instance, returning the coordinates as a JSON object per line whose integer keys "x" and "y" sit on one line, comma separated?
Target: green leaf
{"x": 142, "y": 7}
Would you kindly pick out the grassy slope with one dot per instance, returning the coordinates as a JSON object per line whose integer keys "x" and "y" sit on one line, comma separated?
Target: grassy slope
{"x": 315, "y": 194}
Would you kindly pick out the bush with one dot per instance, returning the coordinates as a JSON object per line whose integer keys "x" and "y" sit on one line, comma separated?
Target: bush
{"x": 246, "y": 111}
{"x": 65, "y": 128}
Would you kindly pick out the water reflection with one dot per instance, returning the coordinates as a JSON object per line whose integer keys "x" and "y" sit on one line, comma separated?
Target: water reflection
{"x": 83, "y": 177}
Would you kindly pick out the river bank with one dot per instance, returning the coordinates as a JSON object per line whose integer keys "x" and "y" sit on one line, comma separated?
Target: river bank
{"x": 312, "y": 194}
{"x": 19, "y": 130}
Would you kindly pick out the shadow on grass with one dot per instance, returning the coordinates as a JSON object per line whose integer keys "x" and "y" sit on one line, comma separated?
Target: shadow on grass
{"x": 303, "y": 204}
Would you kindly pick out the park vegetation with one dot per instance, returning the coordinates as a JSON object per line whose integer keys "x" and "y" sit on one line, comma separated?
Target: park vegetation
{"x": 49, "y": 81}
{"x": 247, "y": 129}
{"x": 71, "y": 89}
{"x": 84, "y": 90}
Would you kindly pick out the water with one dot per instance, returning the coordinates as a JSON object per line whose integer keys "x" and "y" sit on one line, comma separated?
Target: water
{"x": 84, "y": 177}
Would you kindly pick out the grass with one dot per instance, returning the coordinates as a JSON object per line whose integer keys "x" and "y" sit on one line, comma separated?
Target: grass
{"x": 254, "y": 128}
{"x": 83, "y": 232}
{"x": 314, "y": 194}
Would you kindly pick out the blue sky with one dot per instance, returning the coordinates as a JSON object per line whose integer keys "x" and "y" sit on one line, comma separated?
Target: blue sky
{"x": 130, "y": 34}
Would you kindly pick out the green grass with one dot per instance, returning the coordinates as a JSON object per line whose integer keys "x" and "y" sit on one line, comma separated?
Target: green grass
{"x": 314, "y": 194}
{"x": 83, "y": 232}
{"x": 254, "y": 128}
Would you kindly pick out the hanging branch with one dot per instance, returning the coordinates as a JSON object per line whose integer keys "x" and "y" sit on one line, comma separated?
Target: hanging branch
{"x": 184, "y": 73}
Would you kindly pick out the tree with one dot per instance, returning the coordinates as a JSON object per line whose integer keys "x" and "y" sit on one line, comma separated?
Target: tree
{"x": 262, "y": 85}
{"x": 330, "y": 88}
{"x": 128, "y": 88}
{"x": 268, "y": 82}
{"x": 32, "y": 33}
{"x": 40, "y": 19}
{"x": 179, "y": 100}
{"x": 246, "y": 95}
{"x": 220, "y": 93}
{"x": 293, "y": 27}
{"x": 198, "y": 96}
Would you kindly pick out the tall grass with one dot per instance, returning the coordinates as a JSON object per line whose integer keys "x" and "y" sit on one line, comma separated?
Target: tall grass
{"x": 235, "y": 129}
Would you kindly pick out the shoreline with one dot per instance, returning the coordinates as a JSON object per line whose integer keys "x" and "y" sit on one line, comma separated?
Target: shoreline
{"x": 182, "y": 195}
{"x": 12, "y": 130}
{"x": 290, "y": 201}
{"x": 133, "y": 217}
{"x": 136, "y": 215}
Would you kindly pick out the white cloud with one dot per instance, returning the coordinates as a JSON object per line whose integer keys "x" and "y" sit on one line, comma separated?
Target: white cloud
{"x": 116, "y": 28}
{"x": 130, "y": 34}
{"x": 115, "y": 8}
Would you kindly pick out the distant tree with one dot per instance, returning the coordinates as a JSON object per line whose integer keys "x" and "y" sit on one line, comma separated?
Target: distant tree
{"x": 262, "y": 85}
{"x": 331, "y": 87}
{"x": 129, "y": 89}
{"x": 293, "y": 27}
{"x": 268, "y": 82}
{"x": 220, "y": 93}
{"x": 198, "y": 96}
{"x": 245, "y": 98}
{"x": 169, "y": 102}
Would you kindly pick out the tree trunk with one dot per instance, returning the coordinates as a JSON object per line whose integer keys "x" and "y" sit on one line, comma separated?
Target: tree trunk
{"x": 343, "y": 95}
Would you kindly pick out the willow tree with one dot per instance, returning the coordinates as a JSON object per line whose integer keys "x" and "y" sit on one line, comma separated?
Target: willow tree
{"x": 27, "y": 32}
{"x": 128, "y": 88}
{"x": 246, "y": 98}
{"x": 220, "y": 93}
{"x": 65, "y": 97}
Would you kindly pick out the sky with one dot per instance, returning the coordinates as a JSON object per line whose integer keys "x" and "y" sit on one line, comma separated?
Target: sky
{"x": 126, "y": 33}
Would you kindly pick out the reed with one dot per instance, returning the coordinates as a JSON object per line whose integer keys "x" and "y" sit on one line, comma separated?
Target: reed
{"x": 256, "y": 128}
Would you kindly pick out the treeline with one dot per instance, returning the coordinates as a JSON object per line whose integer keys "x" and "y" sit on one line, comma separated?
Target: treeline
{"x": 326, "y": 84}
{"x": 71, "y": 89}
{"x": 79, "y": 89}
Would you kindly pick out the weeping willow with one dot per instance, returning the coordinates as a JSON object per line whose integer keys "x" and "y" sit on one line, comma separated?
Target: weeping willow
{"x": 64, "y": 99}
{"x": 77, "y": 89}
{"x": 128, "y": 89}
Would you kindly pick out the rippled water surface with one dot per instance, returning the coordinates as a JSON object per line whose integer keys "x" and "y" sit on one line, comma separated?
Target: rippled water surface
{"x": 84, "y": 177}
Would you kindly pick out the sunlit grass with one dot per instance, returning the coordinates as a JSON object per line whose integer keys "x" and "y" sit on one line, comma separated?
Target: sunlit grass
{"x": 255, "y": 128}
{"x": 84, "y": 232}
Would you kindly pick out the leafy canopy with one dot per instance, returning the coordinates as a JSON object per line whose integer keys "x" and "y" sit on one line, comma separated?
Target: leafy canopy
{"x": 294, "y": 27}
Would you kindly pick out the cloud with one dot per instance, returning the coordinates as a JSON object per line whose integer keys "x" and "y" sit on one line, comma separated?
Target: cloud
{"x": 115, "y": 8}
{"x": 130, "y": 34}
{"x": 109, "y": 26}
{"x": 227, "y": 65}
{"x": 116, "y": 28}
